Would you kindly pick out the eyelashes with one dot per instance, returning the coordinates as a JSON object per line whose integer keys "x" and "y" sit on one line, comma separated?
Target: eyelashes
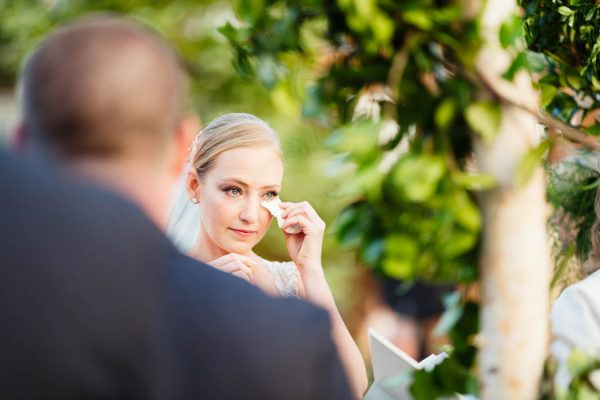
{"x": 235, "y": 191}
{"x": 232, "y": 191}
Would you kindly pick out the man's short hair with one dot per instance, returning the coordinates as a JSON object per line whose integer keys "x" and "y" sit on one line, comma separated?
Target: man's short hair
{"x": 102, "y": 87}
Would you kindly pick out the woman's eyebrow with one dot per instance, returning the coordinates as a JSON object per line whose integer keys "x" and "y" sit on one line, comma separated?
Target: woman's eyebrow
{"x": 234, "y": 180}
{"x": 244, "y": 184}
{"x": 270, "y": 187}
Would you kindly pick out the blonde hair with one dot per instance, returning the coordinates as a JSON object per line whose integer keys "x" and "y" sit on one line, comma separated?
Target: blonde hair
{"x": 230, "y": 131}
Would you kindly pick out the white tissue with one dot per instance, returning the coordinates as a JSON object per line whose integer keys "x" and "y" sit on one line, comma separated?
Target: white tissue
{"x": 276, "y": 211}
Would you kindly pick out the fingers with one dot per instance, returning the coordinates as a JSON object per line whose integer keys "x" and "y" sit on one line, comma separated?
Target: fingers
{"x": 241, "y": 274}
{"x": 302, "y": 214}
{"x": 304, "y": 207}
{"x": 299, "y": 220}
{"x": 233, "y": 258}
{"x": 235, "y": 264}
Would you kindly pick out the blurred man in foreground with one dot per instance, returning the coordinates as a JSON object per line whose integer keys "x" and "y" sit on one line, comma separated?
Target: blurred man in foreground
{"x": 94, "y": 301}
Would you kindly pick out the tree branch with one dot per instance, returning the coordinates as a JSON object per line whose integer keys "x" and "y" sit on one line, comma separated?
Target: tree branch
{"x": 569, "y": 132}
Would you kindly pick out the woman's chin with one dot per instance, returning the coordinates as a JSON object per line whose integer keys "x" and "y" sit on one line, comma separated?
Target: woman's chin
{"x": 238, "y": 248}
{"x": 241, "y": 246}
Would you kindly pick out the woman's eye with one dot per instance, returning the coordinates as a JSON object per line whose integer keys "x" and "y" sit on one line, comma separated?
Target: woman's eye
{"x": 271, "y": 195}
{"x": 233, "y": 191}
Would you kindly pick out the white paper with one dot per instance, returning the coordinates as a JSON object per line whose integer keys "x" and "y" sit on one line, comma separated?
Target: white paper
{"x": 392, "y": 369}
{"x": 276, "y": 211}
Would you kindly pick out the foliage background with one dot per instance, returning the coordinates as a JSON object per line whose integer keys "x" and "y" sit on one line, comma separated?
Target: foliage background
{"x": 563, "y": 38}
{"x": 415, "y": 189}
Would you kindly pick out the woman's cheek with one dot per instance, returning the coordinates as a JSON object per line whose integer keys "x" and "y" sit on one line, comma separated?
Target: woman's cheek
{"x": 224, "y": 210}
{"x": 266, "y": 221}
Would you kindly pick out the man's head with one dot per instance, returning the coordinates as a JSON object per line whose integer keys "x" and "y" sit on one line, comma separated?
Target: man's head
{"x": 108, "y": 96}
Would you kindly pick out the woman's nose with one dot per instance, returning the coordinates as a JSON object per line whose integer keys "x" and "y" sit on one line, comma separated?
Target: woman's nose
{"x": 250, "y": 211}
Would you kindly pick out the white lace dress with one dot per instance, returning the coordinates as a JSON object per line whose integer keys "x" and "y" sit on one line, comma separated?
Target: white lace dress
{"x": 285, "y": 276}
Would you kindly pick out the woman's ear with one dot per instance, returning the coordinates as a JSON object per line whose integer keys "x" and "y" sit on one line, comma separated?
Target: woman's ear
{"x": 192, "y": 185}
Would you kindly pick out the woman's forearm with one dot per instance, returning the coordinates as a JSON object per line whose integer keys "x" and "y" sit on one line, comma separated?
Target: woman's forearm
{"x": 317, "y": 291}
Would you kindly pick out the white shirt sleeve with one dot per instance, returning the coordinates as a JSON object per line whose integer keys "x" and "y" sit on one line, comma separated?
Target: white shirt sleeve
{"x": 575, "y": 322}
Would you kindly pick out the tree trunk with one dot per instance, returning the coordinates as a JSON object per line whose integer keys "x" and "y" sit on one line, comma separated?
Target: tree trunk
{"x": 515, "y": 261}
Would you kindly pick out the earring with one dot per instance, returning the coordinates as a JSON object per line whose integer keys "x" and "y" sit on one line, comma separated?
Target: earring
{"x": 194, "y": 200}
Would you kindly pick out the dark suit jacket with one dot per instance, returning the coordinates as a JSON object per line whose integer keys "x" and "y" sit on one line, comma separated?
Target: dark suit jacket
{"x": 95, "y": 303}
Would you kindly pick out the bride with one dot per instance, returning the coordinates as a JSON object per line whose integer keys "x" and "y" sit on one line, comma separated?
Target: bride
{"x": 236, "y": 164}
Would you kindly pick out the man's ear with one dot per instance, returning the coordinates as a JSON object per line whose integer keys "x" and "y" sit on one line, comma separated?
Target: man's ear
{"x": 192, "y": 185}
{"x": 186, "y": 130}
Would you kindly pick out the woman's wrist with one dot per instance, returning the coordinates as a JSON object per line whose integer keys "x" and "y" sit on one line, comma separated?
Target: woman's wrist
{"x": 315, "y": 285}
{"x": 311, "y": 270}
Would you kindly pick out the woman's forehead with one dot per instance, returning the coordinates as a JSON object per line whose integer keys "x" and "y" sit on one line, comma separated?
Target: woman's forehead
{"x": 254, "y": 164}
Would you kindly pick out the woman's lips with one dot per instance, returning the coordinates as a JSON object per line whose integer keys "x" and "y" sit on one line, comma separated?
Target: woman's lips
{"x": 243, "y": 232}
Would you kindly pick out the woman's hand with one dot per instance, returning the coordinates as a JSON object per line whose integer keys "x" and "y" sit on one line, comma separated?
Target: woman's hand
{"x": 235, "y": 264}
{"x": 305, "y": 247}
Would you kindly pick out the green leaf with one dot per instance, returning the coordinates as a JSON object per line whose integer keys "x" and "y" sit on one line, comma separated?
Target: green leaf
{"x": 466, "y": 212}
{"x": 578, "y": 362}
{"x": 484, "y": 118}
{"x": 352, "y": 224}
{"x": 445, "y": 113}
{"x": 564, "y": 10}
{"x": 417, "y": 176}
{"x": 596, "y": 83}
{"x": 586, "y": 393}
{"x": 447, "y": 14}
{"x": 453, "y": 375}
{"x": 250, "y": 10}
{"x": 593, "y": 130}
{"x": 424, "y": 387}
{"x": 283, "y": 100}
{"x": 574, "y": 80}
{"x": 510, "y": 31}
{"x": 456, "y": 243}
{"x": 536, "y": 62}
{"x": 371, "y": 179}
{"x": 236, "y": 36}
{"x": 382, "y": 27}
{"x": 548, "y": 94}
{"x": 372, "y": 251}
{"x": 359, "y": 139}
{"x": 475, "y": 181}
{"x": 529, "y": 163}
{"x": 562, "y": 263}
{"x": 400, "y": 252}
{"x": 518, "y": 63}
{"x": 242, "y": 64}
{"x": 418, "y": 18}
{"x": 592, "y": 185}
